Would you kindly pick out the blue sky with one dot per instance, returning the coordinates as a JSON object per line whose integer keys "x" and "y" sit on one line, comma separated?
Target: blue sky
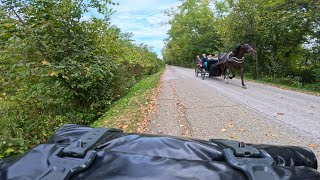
{"x": 143, "y": 18}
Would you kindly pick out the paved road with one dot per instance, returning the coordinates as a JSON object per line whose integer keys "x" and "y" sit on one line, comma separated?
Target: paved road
{"x": 205, "y": 109}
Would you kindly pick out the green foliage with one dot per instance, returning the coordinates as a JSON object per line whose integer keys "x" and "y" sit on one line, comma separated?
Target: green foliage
{"x": 57, "y": 68}
{"x": 192, "y": 32}
{"x": 280, "y": 30}
{"x": 285, "y": 34}
{"x": 292, "y": 82}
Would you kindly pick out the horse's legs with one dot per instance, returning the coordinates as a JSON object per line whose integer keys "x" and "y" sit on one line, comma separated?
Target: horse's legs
{"x": 233, "y": 74}
{"x": 223, "y": 71}
{"x": 241, "y": 73}
{"x": 226, "y": 76}
{"x": 233, "y": 71}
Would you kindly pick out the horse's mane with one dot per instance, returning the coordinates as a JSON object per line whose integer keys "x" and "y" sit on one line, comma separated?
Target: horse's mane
{"x": 235, "y": 52}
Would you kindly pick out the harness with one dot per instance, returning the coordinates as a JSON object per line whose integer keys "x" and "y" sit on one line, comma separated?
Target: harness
{"x": 234, "y": 59}
{"x": 237, "y": 60}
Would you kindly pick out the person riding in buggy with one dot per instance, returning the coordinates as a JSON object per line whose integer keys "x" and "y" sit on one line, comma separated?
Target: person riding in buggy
{"x": 202, "y": 66}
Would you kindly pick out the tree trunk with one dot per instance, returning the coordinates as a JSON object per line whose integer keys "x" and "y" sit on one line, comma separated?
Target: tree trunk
{"x": 257, "y": 67}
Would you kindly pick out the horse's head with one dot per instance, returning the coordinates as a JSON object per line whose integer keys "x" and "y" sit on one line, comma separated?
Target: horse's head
{"x": 248, "y": 49}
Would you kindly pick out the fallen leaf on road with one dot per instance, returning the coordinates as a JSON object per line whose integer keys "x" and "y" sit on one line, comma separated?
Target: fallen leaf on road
{"x": 158, "y": 125}
{"x": 230, "y": 125}
{"x": 271, "y": 135}
{"x": 234, "y": 137}
{"x": 241, "y": 130}
{"x": 280, "y": 113}
{"x": 312, "y": 145}
{"x": 223, "y": 130}
{"x": 181, "y": 125}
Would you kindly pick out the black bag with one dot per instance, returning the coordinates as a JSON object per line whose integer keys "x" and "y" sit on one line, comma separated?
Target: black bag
{"x": 76, "y": 152}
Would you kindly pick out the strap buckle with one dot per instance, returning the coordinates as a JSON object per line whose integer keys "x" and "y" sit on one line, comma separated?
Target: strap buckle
{"x": 255, "y": 164}
{"x": 63, "y": 167}
{"x": 78, "y": 156}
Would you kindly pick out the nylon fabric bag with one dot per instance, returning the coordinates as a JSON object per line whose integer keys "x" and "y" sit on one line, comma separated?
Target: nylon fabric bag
{"x": 142, "y": 156}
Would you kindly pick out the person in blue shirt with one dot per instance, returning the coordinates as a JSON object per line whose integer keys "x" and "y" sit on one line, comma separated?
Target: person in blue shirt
{"x": 204, "y": 61}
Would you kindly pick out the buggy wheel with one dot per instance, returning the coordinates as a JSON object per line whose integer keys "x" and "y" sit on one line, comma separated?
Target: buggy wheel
{"x": 203, "y": 74}
{"x": 196, "y": 72}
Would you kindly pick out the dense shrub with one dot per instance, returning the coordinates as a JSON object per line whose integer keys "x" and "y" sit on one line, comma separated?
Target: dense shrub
{"x": 58, "y": 68}
{"x": 307, "y": 75}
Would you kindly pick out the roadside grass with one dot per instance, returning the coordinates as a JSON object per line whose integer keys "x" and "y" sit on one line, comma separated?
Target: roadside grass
{"x": 131, "y": 111}
{"x": 289, "y": 84}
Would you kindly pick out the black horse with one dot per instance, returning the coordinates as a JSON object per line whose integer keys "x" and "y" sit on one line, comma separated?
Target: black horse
{"x": 233, "y": 61}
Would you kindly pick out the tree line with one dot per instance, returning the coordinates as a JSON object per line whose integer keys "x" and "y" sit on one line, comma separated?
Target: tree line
{"x": 285, "y": 33}
{"x": 59, "y": 67}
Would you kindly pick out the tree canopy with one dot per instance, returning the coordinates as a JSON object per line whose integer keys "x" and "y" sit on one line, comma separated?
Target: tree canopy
{"x": 193, "y": 31}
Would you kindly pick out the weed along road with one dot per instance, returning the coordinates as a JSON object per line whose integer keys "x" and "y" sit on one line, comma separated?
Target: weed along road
{"x": 191, "y": 107}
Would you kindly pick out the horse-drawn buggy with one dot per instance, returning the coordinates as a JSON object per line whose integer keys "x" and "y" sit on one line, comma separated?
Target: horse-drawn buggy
{"x": 204, "y": 70}
{"x": 226, "y": 64}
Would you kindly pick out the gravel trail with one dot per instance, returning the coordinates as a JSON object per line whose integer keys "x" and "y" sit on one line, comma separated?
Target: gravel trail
{"x": 191, "y": 107}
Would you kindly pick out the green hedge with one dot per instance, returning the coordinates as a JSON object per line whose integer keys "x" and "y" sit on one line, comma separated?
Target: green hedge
{"x": 58, "y": 68}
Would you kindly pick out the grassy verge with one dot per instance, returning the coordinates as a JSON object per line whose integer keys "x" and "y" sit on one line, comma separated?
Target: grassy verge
{"x": 131, "y": 111}
{"x": 290, "y": 84}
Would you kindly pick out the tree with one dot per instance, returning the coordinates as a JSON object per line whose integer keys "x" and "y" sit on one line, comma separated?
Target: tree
{"x": 277, "y": 28}
{"x": 192, "y": 32}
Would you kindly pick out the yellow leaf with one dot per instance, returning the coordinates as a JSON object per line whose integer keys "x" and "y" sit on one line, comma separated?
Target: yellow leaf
{"x": 313, "y": 145}
{"x": 65, "y": 77}
{"x": 53, "y": 73}
{"x": 9, "y": 150}
{"x": 223, "y": 130}
{"x": 234, "y": 137}
{"x": 230, "y": 125}
{"x": 44, "y": 62}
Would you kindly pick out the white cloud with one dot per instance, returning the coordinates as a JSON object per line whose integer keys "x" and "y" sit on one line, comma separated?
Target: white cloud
{"x": 144, "y": 18}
